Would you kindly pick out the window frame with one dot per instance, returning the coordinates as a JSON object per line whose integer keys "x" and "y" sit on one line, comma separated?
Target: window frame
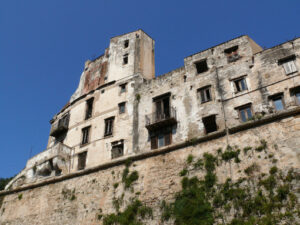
{"x": 237, "y": 84}
{"x": 275, "y": 97}
{"x": 244, "y": 108}
{"x": 89, "y": 108}
{"x": 109, "y": 126}
{"x": 117, "y": 145}
{"x": 79, "y": 160}
{"x": 122, "y": 104}
{"x": 85, "y": 137}
{"x": 167, "y": 138}
{"x": 202, "y": 94}
{"x": 288, "y": 64}
{"x": 123, "y": 88}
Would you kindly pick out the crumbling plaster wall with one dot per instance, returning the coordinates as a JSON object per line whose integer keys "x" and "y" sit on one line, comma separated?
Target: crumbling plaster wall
{"x": 54, "y": 204}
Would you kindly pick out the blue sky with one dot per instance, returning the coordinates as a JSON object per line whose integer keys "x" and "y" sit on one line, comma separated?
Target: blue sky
{"x": 44, "y": 44}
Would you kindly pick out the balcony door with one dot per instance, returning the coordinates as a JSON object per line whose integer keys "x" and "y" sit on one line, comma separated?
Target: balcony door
{"x": 162, "y": 107}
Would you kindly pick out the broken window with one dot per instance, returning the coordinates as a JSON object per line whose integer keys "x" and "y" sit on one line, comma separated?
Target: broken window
{"x": 81, "y": 161}
{"x": 123, "y": 88}
{"x": 85, "y": 135}
{"x": 232, "y": 54}
{"x": 117, "y": 149}
{"x": 162, "y": 107}
{"x": 125, "y": 59}
{"x": 245, "y": 113}
{"x": 240, "y": 84}
{"x": 205, "y": 94}
{"x": 161, "y": 138}
{"x": 277, "y": 101}
{"x": 109, "y": 123}
{"x": 89, "y": 108}
{"x": 126, "y": 43}
{"x": 201, "y": 66}
{"x": 210, "y": 124}
{"x": 288, "y": 64}
{"x": 122, "y": 107}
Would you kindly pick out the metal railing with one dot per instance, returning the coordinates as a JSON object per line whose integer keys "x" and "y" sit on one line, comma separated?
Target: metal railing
{"x": 156, "y": 117}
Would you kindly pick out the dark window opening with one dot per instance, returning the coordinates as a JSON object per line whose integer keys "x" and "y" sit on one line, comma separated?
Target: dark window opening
{"x": 122, "y": 107}
{"x": 201, "y": 66}
{"x": 125, "y": 59}
{"x": 296, "y": 93}
{"x": 109, "y": 123}
{"x": 117, "y": 149}
{"x": 161, "y": 138}
{"x": 240, "y": 85}
{"x": 122, "y": 88}
{"x": 245, "y": 113}
{"x": 232, "y": 54}
{"x": 277, "y": 101}
{"x": 205, "y": 94}
{"x": 126, "y": 43}
{"x": 81, "y": 161}
{"x": 85, "y": 135}
{"x": 162, "y": 106}
{"x": 89, "y": 108}
{"x": 184, "y": 78}
{"x": 210, "y": 124}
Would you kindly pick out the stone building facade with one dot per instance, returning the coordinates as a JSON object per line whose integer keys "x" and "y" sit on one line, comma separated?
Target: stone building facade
{"x": 121, "y": 109}
{"x": 235, "y": 93}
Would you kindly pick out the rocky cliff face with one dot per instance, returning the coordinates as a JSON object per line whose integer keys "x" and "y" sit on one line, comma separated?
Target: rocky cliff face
{"x": 250, "y": 177}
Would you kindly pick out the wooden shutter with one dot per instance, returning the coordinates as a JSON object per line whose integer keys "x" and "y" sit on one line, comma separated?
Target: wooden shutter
{"x": 154, "y": 142}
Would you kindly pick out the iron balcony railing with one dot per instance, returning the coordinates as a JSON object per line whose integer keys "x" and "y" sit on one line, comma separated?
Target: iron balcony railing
{"x": 156, "y": 119}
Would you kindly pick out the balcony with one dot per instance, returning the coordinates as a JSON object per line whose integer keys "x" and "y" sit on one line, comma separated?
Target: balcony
{"x": 157, "y": 120}
{"x": 60, "y": 127}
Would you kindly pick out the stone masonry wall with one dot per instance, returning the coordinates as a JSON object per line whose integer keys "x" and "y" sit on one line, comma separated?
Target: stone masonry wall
{"x": 81, "y": 199}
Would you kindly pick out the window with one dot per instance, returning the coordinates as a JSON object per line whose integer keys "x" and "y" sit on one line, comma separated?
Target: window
{"x": 109, "y": 124}
{"x": 201, "y": 66}
{"x": 297, "y": 96}
{"x": 125, "y": 59}
{"x": 288, "y": 64}
{"x": 205, "y": 94}
{"x": 240, "y": 85}
{"x": 122, "y": 107}
{"x": 85, "y": 135}
{"x": 210, "y": 124}
{"x": 81, "y": 161}
{"x": 277, "y": 101}
{"x": 123, "y": 88}
{"x": 232, "y": 54}
{"x": 117, "y": 149}
{"x": 161, "y": 138}
{"x": 89, "y": 108}
{"x": 162, "y": 107}
{"x": 126, "y": 43}
{"x": 245, "y": 113}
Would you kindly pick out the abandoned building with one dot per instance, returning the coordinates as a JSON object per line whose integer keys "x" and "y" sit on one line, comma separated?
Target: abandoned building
{"x": 121, "y": 109}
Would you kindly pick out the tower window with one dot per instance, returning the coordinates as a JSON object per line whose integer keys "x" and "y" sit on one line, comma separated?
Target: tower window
{"x": 240, "y": 85}
{"x": 85, "y": 135}
{"x": 109, "y": 123}
{"x": 210, "y": 124}
{"x": 126, "y": 43}
{"x": 201, "y": 66}
{"x": 89, "y": 108}
{"x": 232, "y": 54}
{"x": 125, "y": 59}
{"x": 81, "y": 161}
{"x": 117, "y": 149}
{"x": 288, "y": 64}
{"x": 122, "y": 107}
{"x": 205, "y": 94}
{"x": 245, "y": 112}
